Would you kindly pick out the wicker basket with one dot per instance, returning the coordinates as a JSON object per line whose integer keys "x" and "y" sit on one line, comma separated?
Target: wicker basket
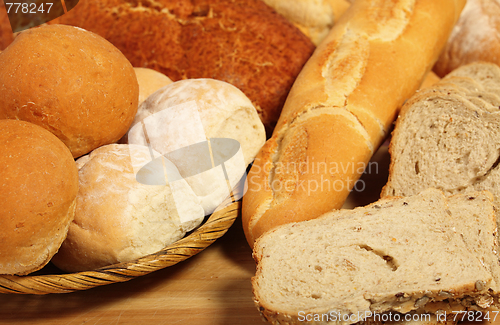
{"x": 214, "y": 227}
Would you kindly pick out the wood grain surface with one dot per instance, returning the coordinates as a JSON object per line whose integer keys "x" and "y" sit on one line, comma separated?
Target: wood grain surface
{"x": 212, "y": 287}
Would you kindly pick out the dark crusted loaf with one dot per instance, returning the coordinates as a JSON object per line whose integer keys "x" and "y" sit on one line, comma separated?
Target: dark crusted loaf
{"x": 243, "y": 42}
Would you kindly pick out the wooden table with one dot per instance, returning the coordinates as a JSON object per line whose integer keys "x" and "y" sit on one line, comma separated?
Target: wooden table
{"x": 212, "y": 287}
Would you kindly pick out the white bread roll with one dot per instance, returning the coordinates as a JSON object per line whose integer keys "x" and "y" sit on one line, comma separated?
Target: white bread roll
{"x": 119, "y": 219}
{"x": 38, "y": 187}
{"x": 342, "y": 106}
{"x": 149, "y": 81}
{"x": 192, "y": 111}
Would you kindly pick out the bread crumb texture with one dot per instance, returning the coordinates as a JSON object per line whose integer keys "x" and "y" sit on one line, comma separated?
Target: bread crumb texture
{"x": 448, "y": 136}
{"x": 398, "y": 254}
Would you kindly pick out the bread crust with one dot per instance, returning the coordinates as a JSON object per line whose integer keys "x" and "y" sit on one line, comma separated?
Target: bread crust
{"x": 243, "y": 42}
{"x": 39, "y": 184}
{"x": 476, "y": 37}
{"x": 72, "y": 82}
{"x": 314, "y": 18}
{"x": 149, "y": 81}
{"x": 353, "y": 85}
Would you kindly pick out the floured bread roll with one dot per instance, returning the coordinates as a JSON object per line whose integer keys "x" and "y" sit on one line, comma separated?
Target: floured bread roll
{"x": 118, "y": 218}
{"x": 475, "y": 37}
{"x": 149, "y": 81}
{"x": 177, "y": 121}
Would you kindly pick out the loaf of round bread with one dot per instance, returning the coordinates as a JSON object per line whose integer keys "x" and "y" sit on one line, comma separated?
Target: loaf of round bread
{"x": 149, "y": 81}
{"x": 243, "y": 42}
{"x": 38, "y": 188}
{"x": 191, "y": 111}
{"x": 118, "y": 218}
{"x": 475, "y": 37}
{"x": 70, "y": 81}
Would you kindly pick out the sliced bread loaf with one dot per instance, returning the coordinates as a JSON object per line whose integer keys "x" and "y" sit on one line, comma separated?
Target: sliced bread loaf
{"x": 448, "y": 136}
{"x": 398, "y": 254}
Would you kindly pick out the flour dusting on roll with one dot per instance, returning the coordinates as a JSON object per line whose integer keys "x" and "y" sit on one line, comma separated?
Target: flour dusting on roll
{"x": 188, "y": 120}
{"x": 118, "y": 218}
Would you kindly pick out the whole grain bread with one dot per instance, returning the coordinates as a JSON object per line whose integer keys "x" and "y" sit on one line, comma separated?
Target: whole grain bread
{"x": 243, "y": 42}
{"x": 397, "y": 254}
{"x": 448, "y": 136}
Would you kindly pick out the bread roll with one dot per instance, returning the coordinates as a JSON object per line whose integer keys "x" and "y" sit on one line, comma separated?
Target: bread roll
{"x": 221, "y": 111}
{"x": 38, "y": 188}
{"x": 119, "y": 219}
{"x": 72, "y": 82}
{"x": 314, "y": 18}
{"x": 342, "y": 106}
{"x": 243, "y": 42}
{"x": 150, "y": 81}
{"x": 6, "y": 34}
{"x": 476, "y": 37}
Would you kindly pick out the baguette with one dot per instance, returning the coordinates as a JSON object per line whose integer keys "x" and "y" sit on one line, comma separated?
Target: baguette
{"x": 341, "y": 108}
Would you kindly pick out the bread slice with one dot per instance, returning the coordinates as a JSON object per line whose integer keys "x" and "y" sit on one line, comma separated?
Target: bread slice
{"x": 398, "y": 254}
{"x": 448, "y": 136}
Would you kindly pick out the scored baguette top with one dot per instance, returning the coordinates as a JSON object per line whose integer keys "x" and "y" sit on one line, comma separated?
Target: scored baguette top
{"x": 342, "y": 106}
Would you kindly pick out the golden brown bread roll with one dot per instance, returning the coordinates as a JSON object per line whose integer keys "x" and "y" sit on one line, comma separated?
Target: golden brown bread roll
{"x": 342, "y": 106}
{"x": 38, "y": 188}
{"x": 476, "y": 37}
{"x": 70, "y": 81}
{"x": 149, "y": 81}
{"x": 243, "y": 42}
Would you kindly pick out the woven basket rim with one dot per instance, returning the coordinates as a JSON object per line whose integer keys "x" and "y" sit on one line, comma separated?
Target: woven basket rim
{"x": 214, "y": 227}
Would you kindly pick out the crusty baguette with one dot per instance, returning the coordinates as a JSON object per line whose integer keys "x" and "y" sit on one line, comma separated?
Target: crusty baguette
{"x": 342, "y": 106}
